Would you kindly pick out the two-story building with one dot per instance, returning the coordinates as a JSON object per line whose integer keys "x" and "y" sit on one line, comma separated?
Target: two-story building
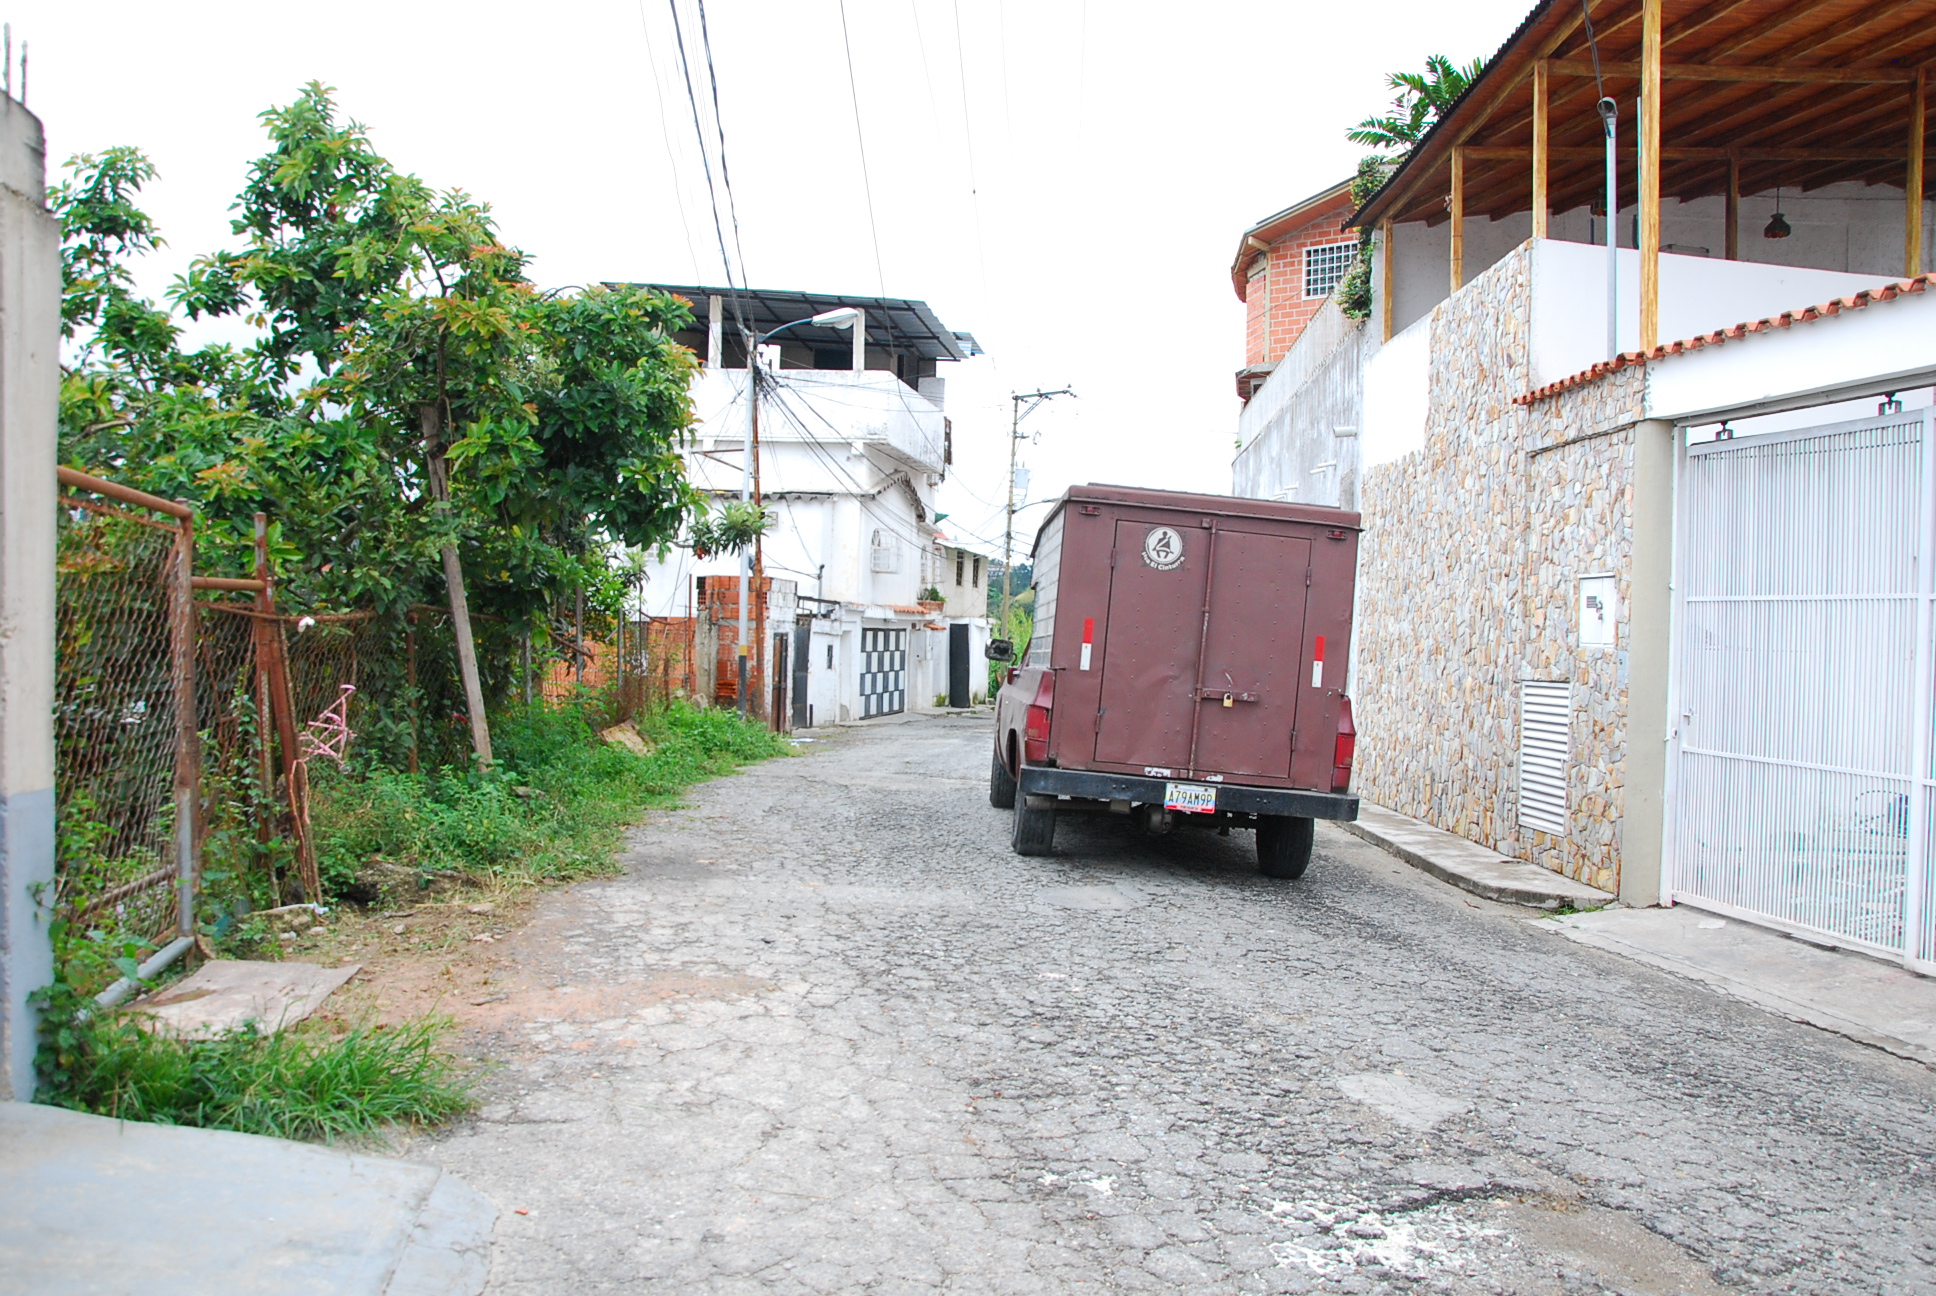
{"x": 852, "y": 442}
{"x": 1644, "y": 590}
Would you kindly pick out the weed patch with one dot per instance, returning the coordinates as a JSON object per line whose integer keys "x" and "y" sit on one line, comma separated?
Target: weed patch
{"x": 300, "y": 1084}
{"x": 553, "y": 809}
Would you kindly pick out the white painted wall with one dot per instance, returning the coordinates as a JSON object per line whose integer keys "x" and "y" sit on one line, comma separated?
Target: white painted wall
{"x": 1397, "y": 394}
{"x": 1849, "y": 228}
{"x": 1697, "y": 295}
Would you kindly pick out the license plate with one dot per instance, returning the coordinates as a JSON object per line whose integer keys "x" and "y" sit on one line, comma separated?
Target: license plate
{"x": 1191, "y": 798}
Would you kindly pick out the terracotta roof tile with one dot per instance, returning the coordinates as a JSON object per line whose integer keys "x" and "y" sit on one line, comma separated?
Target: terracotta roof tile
{"x": 1887, "y": 292}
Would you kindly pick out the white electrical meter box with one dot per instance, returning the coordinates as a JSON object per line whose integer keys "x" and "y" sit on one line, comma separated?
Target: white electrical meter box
{"x": 1599, "y": 612}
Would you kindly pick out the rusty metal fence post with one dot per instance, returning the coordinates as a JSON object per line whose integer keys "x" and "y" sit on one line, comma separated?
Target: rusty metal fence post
{"x": 188, "y": 758}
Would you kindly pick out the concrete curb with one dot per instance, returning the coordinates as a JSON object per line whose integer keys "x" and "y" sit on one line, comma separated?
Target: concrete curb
{"x": 1470, "y": 866}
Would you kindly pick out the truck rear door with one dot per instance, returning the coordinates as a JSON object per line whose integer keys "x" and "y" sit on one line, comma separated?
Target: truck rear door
{"x": 1203, "y": 649}
{"x": 1252, "y": 653}
{"x": 1153, "y": 628}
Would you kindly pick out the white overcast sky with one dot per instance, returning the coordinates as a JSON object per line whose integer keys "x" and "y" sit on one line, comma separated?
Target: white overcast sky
{"x": 1066, "y": 179}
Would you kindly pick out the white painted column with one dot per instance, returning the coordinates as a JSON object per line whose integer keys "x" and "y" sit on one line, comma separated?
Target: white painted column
{"x": 30, "y": 295}
{"x": 860, "y": 341}
{"x": 1648, "y": 641}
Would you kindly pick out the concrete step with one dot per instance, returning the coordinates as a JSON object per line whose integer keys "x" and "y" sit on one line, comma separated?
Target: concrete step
{"x": 1470, "y": 866}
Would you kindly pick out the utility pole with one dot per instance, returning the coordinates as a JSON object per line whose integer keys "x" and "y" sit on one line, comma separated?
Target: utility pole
{"x": 1034, "y": 399}
{"x": 746, "y": 493}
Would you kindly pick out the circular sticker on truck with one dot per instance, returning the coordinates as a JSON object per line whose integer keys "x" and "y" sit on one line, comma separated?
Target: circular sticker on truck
{"x": 1162, "y": 548}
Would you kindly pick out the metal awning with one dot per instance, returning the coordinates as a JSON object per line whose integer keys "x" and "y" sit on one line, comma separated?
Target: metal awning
{"x": 893, "y": 323}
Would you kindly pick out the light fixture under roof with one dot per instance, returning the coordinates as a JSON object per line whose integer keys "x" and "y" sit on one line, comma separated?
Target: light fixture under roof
{"x": 1777, "y": 226}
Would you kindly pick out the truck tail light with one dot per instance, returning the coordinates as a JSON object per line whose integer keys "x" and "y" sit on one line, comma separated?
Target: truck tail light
{"x": 1346, "y": 749}
{"x": 1035, "y": 727}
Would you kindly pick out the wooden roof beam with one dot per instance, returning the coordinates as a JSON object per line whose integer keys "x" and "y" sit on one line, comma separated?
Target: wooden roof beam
{"x": 1757, "y": 72}
{"x": 1753, "y": 32}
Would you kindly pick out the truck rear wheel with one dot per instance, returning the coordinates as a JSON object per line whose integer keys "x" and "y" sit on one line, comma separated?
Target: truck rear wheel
{"x": 1001, "y": 784}
{"x": 1284, "y": 845}
{"x": 1034, "y": 830}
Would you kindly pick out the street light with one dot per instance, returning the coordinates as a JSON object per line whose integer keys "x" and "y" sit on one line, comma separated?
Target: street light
{"x": 840, "y": 317}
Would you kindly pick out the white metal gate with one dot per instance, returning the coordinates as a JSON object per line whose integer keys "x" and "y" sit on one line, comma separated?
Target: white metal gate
{"x": 883, "y": 672}
{"x": 1801, "y": 788}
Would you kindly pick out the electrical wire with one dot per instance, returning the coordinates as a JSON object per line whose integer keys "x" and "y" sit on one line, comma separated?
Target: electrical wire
{"x": 705, "y": 161}
{"x": 665, "y": 134}
{"x": 860, "y": 138}
{"x": 968, "y": 133}
{"x": 719, "y": 128}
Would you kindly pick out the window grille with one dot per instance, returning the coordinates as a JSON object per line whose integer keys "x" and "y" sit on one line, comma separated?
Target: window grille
{"x": 1324, "y": 266}
{"x": 977, "y": 573}
{"x": 887, "y": 554}
{"x": 961, "y": 559}
{"x": 1545, "y": 738}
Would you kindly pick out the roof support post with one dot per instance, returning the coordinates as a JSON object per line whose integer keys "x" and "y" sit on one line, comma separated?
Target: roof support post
{"x": 1649, "y": 174}
{"x": 1539, "y": 149}
{"x": 1913, "y": 211}
{"x": 860, "y": 340}
{"x": 1731, "y": 239}
{"x": 715, "y": 332}
{"x": 1458, "y": 217}
{"x": 1390, "y": 262}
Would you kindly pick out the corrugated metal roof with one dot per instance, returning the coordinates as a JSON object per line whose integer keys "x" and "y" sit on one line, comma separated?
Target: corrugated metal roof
{"x": 896, "y": 323}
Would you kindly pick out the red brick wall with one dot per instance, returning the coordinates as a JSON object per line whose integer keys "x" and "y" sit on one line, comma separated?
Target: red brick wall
{"x": 1273, "y": 323}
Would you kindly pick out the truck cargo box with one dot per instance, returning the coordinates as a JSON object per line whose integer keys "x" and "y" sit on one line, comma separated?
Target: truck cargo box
{"x": 1187, "y": 667}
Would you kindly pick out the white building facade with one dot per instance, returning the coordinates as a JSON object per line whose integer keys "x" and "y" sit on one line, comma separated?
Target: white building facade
{"x": 853, "y": 441}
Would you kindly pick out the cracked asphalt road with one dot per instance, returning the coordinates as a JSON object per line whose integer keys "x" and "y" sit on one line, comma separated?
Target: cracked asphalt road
{"x": 828, "y": 1035}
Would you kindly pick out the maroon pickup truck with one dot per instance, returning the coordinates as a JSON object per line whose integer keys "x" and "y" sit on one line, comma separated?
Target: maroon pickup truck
{"x": 1187, "y": 668}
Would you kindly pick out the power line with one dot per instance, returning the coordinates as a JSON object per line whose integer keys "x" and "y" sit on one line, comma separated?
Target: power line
{"x": 860, "y": 138}
{"x": 665, "y": 135}
{"x": 719, "y": 128}
{"x": 699, "y": 130}
{"x": 968, "y": 133}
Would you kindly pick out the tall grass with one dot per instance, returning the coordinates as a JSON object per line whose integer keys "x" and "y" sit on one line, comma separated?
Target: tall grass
{"x": 301, "y": 1085}
{"x": 552, "y": 809}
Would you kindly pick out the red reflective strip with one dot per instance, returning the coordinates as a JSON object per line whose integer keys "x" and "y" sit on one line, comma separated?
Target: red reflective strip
{"x": 1319, "y": 654}
{"x": 1089, "y": 629}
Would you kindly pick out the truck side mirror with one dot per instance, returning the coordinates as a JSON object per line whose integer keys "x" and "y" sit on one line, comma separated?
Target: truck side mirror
{"x": 1000, "y": 650}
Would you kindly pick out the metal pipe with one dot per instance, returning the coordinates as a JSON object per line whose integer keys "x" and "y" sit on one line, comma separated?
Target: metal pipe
{"x": 121, "y": 989}
{"x": 1610, "y": 115}
{"x": 126, "y": 494}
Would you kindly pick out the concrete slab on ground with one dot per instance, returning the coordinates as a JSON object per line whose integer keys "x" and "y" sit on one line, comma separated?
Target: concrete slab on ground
{"x": 104, "y": 1206}
{"x": 1864, "y": 998}
{"x": 223, "y": 994}
{"x": 1469, "y": 865}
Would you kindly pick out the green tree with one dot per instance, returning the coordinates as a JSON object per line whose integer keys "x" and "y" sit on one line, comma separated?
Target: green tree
{"x": 1422, "y": 99}
{"x": 411, "y": 407}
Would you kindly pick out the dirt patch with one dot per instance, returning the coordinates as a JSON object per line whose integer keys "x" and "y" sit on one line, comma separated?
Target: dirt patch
{"x": 468, "y": 958}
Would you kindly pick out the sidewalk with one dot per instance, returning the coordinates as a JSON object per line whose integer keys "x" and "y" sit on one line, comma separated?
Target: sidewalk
{"x": 1469, "y": 865}
{"x": 1866, "y": 999}
{"x": 112, "y": 1207}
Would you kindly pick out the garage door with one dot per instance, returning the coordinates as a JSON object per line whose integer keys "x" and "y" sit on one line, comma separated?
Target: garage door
{"x": 1801, "y": 782}
{"x": 883, "y": 672}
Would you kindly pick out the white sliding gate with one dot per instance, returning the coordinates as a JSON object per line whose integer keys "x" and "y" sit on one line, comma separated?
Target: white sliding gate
{"x": 1800, "y": 784}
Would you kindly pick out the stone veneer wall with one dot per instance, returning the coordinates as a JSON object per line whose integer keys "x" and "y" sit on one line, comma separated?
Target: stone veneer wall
{"x": 1468, "y": 584}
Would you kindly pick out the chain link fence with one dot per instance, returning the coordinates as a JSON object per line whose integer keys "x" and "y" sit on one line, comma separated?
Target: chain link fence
{"x": 190, "y": 707}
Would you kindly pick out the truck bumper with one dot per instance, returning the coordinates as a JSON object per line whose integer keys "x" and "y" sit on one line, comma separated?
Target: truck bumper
{"x": 1232, "y": 798}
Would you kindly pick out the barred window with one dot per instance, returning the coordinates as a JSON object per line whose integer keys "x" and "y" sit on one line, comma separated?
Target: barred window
{"x": 1324, "y": 266}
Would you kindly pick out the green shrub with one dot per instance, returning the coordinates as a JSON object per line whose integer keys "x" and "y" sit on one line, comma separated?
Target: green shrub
{"x": 298, "y": 1084}
{"x": 552, "y": 808}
